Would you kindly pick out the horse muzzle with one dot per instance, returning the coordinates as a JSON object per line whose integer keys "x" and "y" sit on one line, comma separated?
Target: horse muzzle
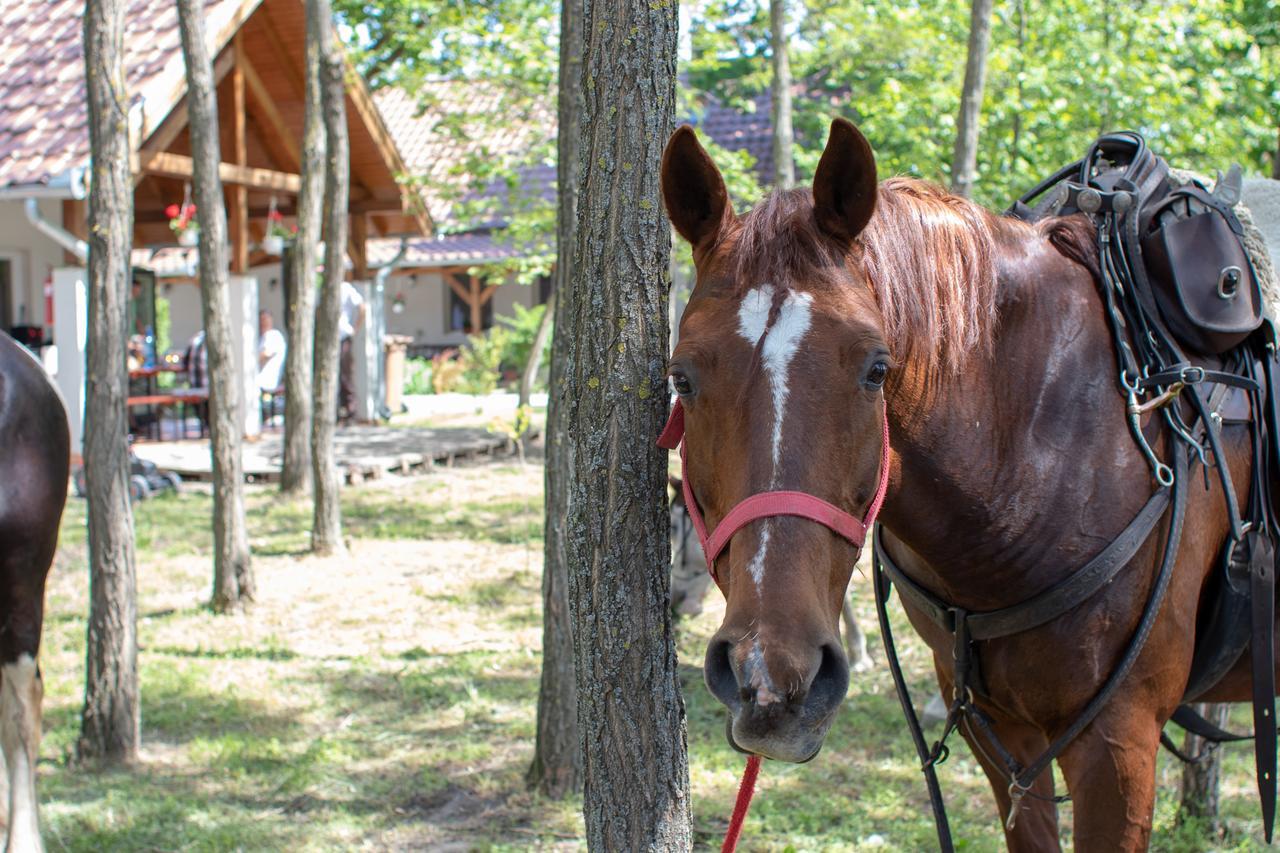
{"x": 786, "y": 720}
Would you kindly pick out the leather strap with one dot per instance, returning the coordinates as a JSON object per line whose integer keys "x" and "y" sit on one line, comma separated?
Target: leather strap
{"x": 1042, "y": 607}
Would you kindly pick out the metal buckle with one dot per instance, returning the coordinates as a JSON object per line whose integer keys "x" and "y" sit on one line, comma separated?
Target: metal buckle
{"x": 1229, "y": 282}
{"x": 1192, "y": 375}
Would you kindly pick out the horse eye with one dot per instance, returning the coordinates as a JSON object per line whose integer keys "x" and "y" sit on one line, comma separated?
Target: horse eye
{"x": 876, "y": 374}
{"x": 682, "y": 384}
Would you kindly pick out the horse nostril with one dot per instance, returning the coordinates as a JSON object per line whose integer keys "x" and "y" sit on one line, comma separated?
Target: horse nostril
{"x": 831, "y": 681}
{"x": 719, "y": 675}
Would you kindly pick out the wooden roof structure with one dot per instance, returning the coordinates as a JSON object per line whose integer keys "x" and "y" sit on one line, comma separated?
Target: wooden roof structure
{"x": 258, "y": 48}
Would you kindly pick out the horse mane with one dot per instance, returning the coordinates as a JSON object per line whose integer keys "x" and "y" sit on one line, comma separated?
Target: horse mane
{"x": 929, "y": 257}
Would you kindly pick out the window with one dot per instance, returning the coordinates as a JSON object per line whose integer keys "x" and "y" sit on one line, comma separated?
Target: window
{"x": 458, "y": 311}
{"x": 544, "y": 289}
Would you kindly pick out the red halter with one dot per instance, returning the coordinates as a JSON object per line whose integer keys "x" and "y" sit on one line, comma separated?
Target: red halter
{"x": 766, "y": 504}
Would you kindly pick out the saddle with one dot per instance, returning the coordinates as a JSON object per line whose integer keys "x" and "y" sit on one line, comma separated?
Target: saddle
{"x": 1193, "y": 304}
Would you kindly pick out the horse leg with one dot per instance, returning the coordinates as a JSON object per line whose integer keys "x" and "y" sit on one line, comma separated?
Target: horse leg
{"x": 1110, "y": 770}
{"x": 855, "y": 642}
{"x": 21, "y": 692}
{"x": 1036, "y": 828}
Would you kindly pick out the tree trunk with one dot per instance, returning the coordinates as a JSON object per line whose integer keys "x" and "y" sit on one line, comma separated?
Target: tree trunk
{"x": 232, "y": 572}
{"x": 295, "y": 476}
{"x": 109, "y": 728}
{"x": 784, "y": 166}
{"x": 1275, "y": 158}
{"x": 1200, "y": 780}
{"x": 534, "y": 362}
{"x": 616, "y": 531}
{"x": 557, "y": 758}
{"x": 964, "y": 163}
{"x": 326, "y": 531}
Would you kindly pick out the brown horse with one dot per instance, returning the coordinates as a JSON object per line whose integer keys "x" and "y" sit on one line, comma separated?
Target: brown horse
{"x": 983, "y": 341}
{"x": 34, "y": 468}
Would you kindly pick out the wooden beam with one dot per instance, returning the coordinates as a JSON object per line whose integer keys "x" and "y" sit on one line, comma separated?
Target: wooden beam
{"x": 358, "y": 247}
{"x": 75, "y": 221}
{"x": 238, "y": 201}
{"x": 179, "y": 166}
{"x": 487, "y": 293}
{"x": 176, "y": 121}
{"x": 454, "y": 286}
{"x": 264, "y": 109}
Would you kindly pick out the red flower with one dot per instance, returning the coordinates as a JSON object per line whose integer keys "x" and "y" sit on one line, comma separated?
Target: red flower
{"x": 172, "y": 211}
{"x": 293, "y": 229}
{"x": 275, "y": 216}
{"x": 190, "y": 211}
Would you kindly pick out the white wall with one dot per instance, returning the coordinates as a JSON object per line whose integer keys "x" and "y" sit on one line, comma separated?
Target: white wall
{"x": 426, "y": 300}
{"x": 35, "y": 254}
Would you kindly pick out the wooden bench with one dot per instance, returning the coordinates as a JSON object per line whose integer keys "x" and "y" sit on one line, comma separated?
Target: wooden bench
{"x": 159, "y": 402}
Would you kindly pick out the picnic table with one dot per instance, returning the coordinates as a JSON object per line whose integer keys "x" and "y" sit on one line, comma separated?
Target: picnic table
{"x": 186, "y": 400}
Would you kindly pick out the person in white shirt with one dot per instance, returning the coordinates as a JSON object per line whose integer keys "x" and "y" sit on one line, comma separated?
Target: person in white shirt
{"x": 349, "y": 320}
{"x": 271, "y": 347}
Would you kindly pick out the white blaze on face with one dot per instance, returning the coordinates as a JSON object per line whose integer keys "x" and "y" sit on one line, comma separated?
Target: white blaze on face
{"x": 782, "y": 341}
{"x": 760, "y": 681}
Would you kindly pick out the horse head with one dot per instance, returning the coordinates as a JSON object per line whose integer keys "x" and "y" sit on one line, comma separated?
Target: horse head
{"x": 780, "y": 371}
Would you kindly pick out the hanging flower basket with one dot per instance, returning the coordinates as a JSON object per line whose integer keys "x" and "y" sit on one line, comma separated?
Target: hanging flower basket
{"x": 277, "y": 232}
{"x": 182, "y": 221}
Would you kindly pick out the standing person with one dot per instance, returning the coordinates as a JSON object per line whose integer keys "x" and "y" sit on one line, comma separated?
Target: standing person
{"x": 271, "y": 349}
{"x": 351, "y": 318}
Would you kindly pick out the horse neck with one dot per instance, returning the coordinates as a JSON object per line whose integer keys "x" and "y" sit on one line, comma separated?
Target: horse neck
{"x": 1002, "y": 483}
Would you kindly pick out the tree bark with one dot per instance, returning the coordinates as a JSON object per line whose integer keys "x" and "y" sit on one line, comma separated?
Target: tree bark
{"x": 964, "y": 163}
{"x": 295, "y": 476}
{"x": 784, "y": 165}
{"x": 326, "y": 530}
{"x": 1275, "y": 158}
{"x": 557, "y": 761}
{"x": 1200, "y": 780}
{"x": 109, "y": 727}
{"x": 534, "y": 363}
{"x": 233, "y": 584}
{"x": 616, "y": 533}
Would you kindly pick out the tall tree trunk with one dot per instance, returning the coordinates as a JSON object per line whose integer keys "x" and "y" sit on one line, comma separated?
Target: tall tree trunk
{"x": 232, "y": 571}
{"x": 295, "y": 476}
{"x": 964, "y": 163}
{"x": 326, "y": 530}
{"x": 784, "y": 166}
{"x": 616, "y": 533}
{"x": 557, "y": 758}
{"x": 1200, "y": 780}
{"x": 109, "y": 727}
{"x": 534, "y": 363}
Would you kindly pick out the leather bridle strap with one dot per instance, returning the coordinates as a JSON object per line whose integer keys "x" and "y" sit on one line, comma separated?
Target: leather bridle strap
{"x": 768, "y": 504}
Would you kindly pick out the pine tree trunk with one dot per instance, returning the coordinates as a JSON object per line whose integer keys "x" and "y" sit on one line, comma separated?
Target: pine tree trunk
{"x": 295, "y": 476}
{"x": 1200, "y": 780}
{"x": 326, "y": 531}
{"x": 109, "y": 729}
{"x": 784, "y": 167}
{"x": 232, "y": 571}
{"x": 534, "y": 363}
{"x": 616, "y": 538}
{"x": 964, "y": 163}
{"x": 557, "y": 760}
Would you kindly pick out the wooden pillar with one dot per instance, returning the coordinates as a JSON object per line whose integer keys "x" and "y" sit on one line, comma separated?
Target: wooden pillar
{"x": 477, "y": 307}
{"x": 238, "y": 194}
{"x": 75, "y": 221}
{"x": 358, "y": 247}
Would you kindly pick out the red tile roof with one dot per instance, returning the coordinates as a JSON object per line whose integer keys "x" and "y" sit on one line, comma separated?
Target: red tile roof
{"x": 43, "y": 116}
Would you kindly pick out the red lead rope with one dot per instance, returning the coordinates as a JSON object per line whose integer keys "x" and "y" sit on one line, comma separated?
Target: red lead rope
{"x": 745, "y": 790}
{"x": 764, "y": 505}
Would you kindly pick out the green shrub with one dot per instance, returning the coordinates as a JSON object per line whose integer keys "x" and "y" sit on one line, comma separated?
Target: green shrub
{"x": 481, "y": 361}
{"x": 521, "y": 329}
{"x": 418, "y": 376}
{"x": 446, "y": 371}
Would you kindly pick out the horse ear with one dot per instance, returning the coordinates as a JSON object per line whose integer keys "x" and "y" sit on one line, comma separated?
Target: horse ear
{"x": 844, "y": 187}
{"x": 692, "y": 189}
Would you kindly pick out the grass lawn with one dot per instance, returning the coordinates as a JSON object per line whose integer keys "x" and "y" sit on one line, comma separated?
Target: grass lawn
{"x": 386, "y": 699}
